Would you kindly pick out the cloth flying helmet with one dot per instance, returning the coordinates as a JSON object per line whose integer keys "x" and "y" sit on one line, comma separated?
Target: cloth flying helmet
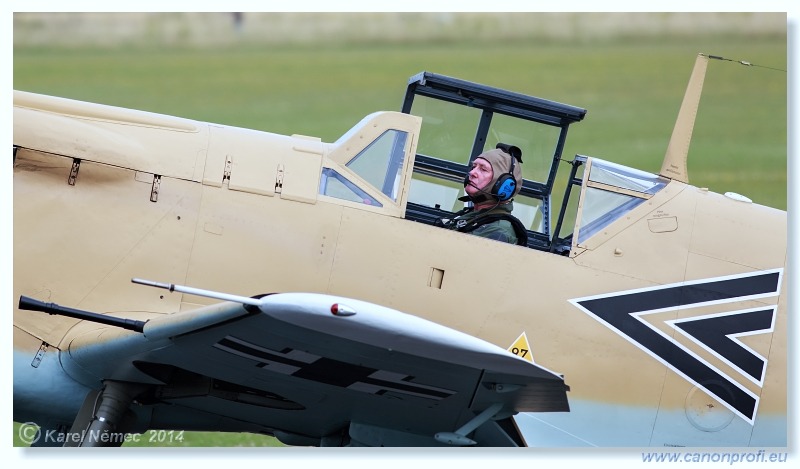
{"x": 507, "y": 175}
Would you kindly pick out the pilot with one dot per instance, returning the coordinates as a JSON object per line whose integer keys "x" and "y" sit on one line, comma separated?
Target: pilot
{"x": 491, "y": 184}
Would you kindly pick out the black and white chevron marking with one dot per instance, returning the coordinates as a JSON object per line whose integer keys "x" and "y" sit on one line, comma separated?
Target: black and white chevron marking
{"x": 718, "y": 334}
{"x": 331, "y": 372}
{"x": 622, "y": 312}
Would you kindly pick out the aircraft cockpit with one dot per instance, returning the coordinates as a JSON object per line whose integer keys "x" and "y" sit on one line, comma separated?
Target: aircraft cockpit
{"x": 460, "y": 120}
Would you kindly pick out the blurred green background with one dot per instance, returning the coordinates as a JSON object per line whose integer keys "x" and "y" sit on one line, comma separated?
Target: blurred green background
{"x": 319, "y": 74}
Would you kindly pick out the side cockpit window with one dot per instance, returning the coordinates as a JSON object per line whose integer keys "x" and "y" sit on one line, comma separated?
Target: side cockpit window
{"x": 380, "y": 164}
{"x": 612, "y": 191}
{"x": 334, "y": 184}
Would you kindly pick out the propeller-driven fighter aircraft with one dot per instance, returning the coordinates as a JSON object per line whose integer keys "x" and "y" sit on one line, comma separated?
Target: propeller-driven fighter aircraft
{"x": 182, "y": 275}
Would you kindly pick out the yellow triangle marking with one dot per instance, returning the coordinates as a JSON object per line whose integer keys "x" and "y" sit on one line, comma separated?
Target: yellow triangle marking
{"x": 521, "y": 348}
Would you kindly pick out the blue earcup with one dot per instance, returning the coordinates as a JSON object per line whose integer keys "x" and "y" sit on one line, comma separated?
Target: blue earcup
{"x": 504, "y": 187}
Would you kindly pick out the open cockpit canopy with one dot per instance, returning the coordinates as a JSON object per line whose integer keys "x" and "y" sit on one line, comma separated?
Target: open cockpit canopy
{"x": 461, "y": 120}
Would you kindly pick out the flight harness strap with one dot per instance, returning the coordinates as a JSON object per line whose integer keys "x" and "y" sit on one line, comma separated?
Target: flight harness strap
{"x": 519, "y": 229}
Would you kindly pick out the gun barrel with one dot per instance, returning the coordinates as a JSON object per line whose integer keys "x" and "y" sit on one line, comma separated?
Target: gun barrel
{"x": 32, "y": 304}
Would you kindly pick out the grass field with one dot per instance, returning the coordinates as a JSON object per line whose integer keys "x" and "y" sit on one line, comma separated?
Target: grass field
{"x": 632, "y": 90}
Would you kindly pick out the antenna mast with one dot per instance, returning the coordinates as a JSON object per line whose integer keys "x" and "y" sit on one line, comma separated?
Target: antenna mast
{"x": 674, "y": 166}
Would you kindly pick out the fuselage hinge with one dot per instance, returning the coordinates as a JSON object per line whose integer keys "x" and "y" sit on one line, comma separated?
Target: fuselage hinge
{"x": 155, "y": 188}
{"x": 226, "y": 174}
{"x": 37, "y": 359}
{"x": 73, "y": 172}
{"x": 279, "y": 180}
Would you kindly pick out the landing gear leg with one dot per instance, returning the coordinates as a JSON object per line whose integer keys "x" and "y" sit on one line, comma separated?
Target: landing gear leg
{"x": 104, "y": 416}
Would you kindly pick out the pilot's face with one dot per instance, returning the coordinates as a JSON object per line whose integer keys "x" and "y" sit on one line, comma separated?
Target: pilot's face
{"x": 479, "y": 176}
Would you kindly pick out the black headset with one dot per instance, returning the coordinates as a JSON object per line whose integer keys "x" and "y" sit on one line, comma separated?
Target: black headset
{"x": 506, "y": 184}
